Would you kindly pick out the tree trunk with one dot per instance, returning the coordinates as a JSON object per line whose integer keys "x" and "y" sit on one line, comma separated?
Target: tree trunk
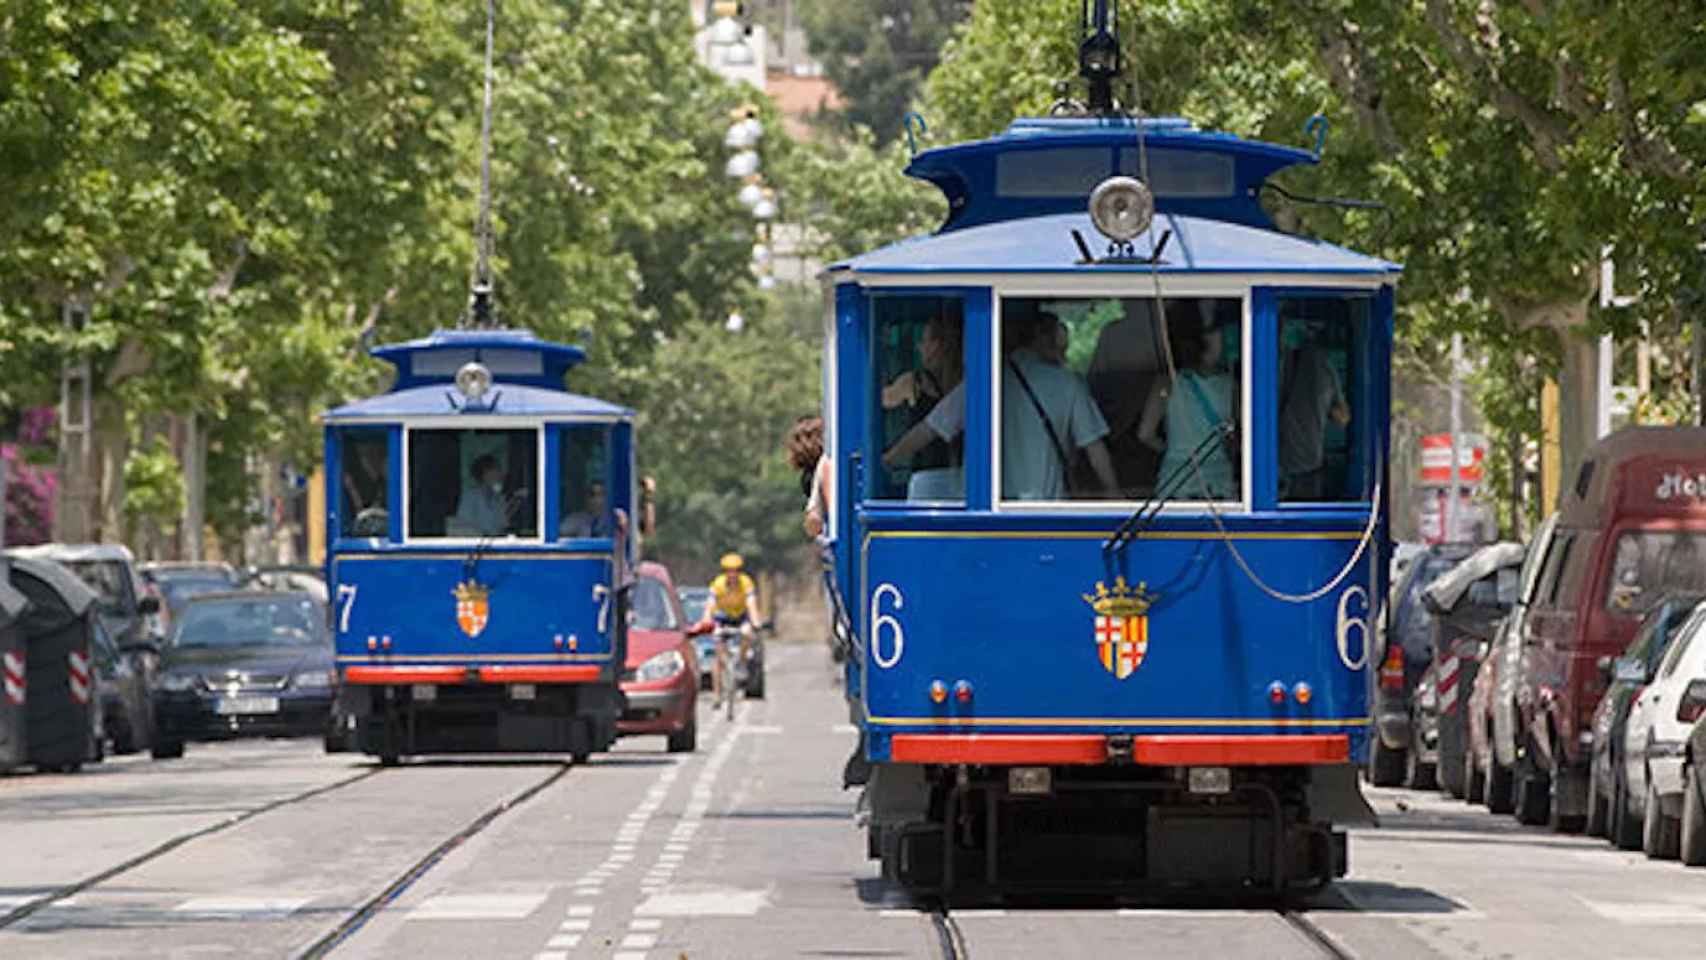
{"x": 1578, "y": 399}
{"x": 112, "y": 448}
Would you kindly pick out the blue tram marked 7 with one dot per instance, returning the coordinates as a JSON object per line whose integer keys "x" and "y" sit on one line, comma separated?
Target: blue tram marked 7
{"x": 1114, "y": 515}
{"x": 479, "y": 551}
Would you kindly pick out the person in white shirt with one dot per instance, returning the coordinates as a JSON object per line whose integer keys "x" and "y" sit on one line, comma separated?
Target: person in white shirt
{"x": 481, "y": 510}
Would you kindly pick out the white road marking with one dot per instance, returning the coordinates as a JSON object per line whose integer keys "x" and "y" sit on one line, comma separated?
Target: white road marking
{"x": 566, "y": 941}
{"x": 708, "y": 903}
{"x": 551, "y": 955}
{"x": 243, "y": 906}
{"x": 843, "y": 728}
{"x": 575, "y": 926}
{"x": 770, "y": 730}
{"x": 629, "y": 955}
{"x": 581, "y": 910}
{"x": 640, "y": 923}
{"x": 1648, "y": 913}
{"x": 497, "y": 906}
{"x": 640, "y": 941}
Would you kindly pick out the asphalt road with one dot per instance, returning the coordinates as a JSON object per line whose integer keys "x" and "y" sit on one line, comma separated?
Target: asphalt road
{"x": 744, "y": 849}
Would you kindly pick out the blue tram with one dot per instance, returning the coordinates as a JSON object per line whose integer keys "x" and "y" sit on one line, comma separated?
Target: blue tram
{"x": 479, "y": 545}
{"x": 1109, "y": 515}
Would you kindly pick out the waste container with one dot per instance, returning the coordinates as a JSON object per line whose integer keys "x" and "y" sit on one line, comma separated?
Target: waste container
{"x": 60, "y": 704}
{"x": 14, "y": 735}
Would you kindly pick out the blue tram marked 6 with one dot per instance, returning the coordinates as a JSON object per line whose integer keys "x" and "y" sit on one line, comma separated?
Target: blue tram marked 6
{"x": 480, "y": 551}
{"x": 1109, "y": 456}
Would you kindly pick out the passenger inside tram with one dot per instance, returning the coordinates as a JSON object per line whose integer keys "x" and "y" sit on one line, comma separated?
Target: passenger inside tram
{"x": 1049, "y": 423}
{"x": 1127, "y": 361}
{"x": 931, "y": 396}
{"x": 1180, "y": 416}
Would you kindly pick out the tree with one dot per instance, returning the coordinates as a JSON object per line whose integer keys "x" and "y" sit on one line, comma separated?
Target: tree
{"x": 877, "y": 53}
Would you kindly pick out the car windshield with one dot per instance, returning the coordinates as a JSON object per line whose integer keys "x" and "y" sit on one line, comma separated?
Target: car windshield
{"x": 1414, "y": 622}
{"x": 178, "y": 590}
{"x": 652, "y": 609}
{"x": 693, "y": 604}
{"x": 245, "y": 621}
{"x": 109, "y": 580}
{"x": 1649, "y": 564}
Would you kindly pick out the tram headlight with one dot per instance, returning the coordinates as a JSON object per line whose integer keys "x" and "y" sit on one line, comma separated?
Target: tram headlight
{"x": 661, "y": 667}
{"x": 473, "y": 380}
{"x": 1121, "y": 208}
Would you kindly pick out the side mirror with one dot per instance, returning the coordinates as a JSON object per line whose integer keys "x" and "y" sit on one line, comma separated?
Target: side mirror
{"x": 148, "y": 606}
{"x": 1630, "y": 670}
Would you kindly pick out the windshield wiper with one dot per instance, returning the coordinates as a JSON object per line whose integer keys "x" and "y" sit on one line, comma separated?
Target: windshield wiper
{"x": 1167, "y": 490}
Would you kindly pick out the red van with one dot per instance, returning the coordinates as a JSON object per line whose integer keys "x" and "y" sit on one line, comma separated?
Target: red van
{"x": 1630, "y": 530}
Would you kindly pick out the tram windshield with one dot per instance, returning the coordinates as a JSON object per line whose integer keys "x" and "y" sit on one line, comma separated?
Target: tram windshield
{"x": 471, "y": 484}
{"x": 584, "y": 503}
{"x": 1088, "y": 409}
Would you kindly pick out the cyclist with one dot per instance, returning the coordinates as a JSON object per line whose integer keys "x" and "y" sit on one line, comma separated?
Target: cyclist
{"x": 734, "y": 602}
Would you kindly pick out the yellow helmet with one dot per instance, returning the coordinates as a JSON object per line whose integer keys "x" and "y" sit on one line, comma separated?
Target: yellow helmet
{"x": 732, "y": 562}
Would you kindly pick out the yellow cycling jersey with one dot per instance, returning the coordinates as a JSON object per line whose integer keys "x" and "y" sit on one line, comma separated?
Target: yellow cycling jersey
{"x": 729, "y": 594}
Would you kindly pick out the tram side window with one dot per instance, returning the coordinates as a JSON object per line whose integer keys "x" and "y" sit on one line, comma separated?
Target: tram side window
{"x": 1089, "y": 410}
{"x": 1322, "y": 394}
{"x": 584, "y": 499}
{"x": 364, "y": 483}
{"x": 918, "y": 368}
{"x": 473, "y": 483}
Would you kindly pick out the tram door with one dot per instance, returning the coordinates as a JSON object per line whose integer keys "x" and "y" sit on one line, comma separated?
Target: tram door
{"x": 912, "y": 413}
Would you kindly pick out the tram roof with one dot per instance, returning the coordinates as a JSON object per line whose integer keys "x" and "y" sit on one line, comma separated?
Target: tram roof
{"x": 1044, "y": 165}
{"x": 1045, "y": 244}
{"x": 513, "y": 356}
{"x": 505, "y": 400}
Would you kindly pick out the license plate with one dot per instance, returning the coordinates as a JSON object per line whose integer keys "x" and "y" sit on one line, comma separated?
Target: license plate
{"x": 232, "y": 706}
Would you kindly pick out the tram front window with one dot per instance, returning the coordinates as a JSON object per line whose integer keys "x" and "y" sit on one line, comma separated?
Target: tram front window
{"x": 585, "y": 475}
{"x": 473, "y": 483}
{"x": 1322, "y": 399}
{"x": 364, "y": 483}
{"x": 1088, "y": 408}
{"x": 919, "y": 367}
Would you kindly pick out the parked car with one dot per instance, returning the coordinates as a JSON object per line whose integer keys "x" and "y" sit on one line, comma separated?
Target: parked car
{"x": 1478, "y": 719}
{"x": 122, "y": 688}
{"x": 1500, "y": 715}
{"x": 307, "y": 578}
{"x": 1660, "y": 721}
{"x": 178, "y": 582}
{"x": 1402, "y": 634}
{"x": 1421, "y": 761}
{"x": 661, "y": 679}
{"x": 241, "y": 663}
{"x": 1608, "y": 809}
{"x": 694, "y": 602}
{"x": 1466, "y": 605}
{"x": 110, "y": 570}
{"x": 1693, "y": 833}
{"x": 1631, "y": 529}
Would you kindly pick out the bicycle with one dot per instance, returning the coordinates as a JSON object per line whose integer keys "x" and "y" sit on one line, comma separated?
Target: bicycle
{"x": 725, "y": 678}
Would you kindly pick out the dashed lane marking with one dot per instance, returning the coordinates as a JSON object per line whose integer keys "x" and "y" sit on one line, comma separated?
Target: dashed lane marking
{"x": 504, "y": 906}
{"x": 717, "y": 902}
{"x": 640, "y": 941}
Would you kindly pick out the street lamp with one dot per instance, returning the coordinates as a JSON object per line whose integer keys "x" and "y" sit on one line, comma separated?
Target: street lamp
{"x": 742, "y": 165}
{"x": 739, "y": 54}
{"x": 725, "y": 31}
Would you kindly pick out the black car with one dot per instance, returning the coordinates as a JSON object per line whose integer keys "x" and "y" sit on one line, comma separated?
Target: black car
{"x": 1608, "y": 815}
{"x": 176, "y": 583}
{"x": 1404, "y": 633}
{"x": 244, "y": 663}
{"x": 122, "y": 686}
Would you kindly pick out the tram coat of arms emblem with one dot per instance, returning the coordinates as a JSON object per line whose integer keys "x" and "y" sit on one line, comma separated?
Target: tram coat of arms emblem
{"x": 1122, "y": 626}
{"x": 473, "y": 607}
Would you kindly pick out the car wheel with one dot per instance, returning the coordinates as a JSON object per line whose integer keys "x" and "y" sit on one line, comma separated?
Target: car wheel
{"x": 123, "y": 737}
{"x": 1532, "y": 795}
{"x": 686, "y": 740}
{"x": 1692, "y": 848}
{"x": 1659, "y": 840}
{"x": 1625, "y": 829}
{"x": 1557, "y": 784}
{"x": 1500, "y": 787}
{"x": 167, "y": 749}
{"x": 1599, "y": 805}
{"x": 1418, "y": 775}
{"x": 1385, "y": 765}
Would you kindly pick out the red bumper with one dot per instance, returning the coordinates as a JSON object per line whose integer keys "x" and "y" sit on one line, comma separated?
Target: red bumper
{"x": 546, "y": 673}
{"x": 1185, "y": 750}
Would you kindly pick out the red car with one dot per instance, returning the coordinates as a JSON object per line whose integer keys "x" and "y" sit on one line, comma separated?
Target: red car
{"x": 661, "y": 679}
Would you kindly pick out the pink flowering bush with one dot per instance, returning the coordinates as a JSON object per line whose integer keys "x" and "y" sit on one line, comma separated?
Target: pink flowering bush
{"x": 30, "y": 491}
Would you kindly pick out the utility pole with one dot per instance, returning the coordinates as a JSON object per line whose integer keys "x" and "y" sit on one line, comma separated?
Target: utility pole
{"x": 1448, "y": 510}
{"x": 73, "y": 520}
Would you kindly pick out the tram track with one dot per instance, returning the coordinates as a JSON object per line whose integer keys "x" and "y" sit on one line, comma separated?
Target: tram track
{"x": 359, "y": 918}
{"x": 952, "y": 945}
{"x": 25, "y": 910}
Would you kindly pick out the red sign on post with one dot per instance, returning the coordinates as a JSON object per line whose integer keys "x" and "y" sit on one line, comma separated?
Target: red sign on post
{"x": 1436, "y": 459}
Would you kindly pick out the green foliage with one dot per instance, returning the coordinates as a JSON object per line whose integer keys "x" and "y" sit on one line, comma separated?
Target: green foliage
{"x": 852, "y": 196}
{"x": 877, "y": 53}
{"x": 153, "y": 485}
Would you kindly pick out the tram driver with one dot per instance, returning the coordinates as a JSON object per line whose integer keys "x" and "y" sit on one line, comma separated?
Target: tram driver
{"x": 483, "y": 510}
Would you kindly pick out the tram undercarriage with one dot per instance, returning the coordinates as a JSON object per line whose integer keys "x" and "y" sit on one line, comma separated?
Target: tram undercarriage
{"x": 395, "y": 721}
{"x": 941, "y": 830}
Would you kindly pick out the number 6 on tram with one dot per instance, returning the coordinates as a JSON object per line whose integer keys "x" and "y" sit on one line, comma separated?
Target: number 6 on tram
{"x": 479, "y": 549}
